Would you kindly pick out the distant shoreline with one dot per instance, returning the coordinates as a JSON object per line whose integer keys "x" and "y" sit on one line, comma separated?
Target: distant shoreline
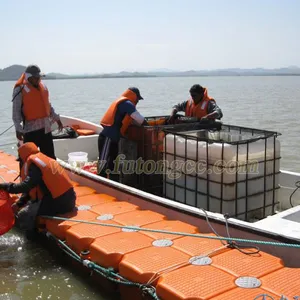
{"x": 13, "y": 72}
{"x": 156, "y": 76}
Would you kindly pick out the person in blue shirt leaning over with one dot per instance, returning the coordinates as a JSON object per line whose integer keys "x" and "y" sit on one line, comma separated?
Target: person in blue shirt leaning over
{"x": 115, "y": 122}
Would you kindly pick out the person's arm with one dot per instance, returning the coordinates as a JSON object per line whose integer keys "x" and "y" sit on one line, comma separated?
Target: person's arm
{"x": 33, "y": 179}
{"x": 54, "y": 117}
{"x": 23, "y": 200}
{"x": 176, "y": 108}
{"x": 179, "y": 107}
{"x": 128, "y": 108}
{"x": 17, "y": 112}
{"x": 214, "y": 111}
{"x": 139, "y": 119}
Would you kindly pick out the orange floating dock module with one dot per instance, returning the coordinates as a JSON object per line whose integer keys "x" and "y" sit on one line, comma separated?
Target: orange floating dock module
{"x": 180, "y": 268}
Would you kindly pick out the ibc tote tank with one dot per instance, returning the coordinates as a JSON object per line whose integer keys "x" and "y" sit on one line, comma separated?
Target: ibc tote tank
{"x": 234, "y": 170}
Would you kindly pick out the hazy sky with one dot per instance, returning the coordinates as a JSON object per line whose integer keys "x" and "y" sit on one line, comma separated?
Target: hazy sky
{"x": 95, "y": 36}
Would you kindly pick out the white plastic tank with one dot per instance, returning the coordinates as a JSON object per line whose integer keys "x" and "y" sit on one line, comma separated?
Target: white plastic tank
{"x": 213, "y": 175}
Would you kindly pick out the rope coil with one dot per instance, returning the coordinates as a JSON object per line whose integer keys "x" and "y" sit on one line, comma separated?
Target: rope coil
{"x": 297, "y": 185}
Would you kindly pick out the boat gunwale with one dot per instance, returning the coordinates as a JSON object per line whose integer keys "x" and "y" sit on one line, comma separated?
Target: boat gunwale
{"x": 180, "y": 207}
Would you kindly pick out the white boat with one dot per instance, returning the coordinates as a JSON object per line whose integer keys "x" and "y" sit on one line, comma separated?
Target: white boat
{"x": 285, "y": 224}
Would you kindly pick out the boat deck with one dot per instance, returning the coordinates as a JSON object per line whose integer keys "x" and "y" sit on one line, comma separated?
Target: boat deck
{"x": 285, "y": 223}
{"x": 180, "y": 267}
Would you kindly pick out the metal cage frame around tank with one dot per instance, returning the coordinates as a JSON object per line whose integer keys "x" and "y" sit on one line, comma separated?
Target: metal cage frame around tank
{"x": 256, "y": 134}
{"x": 151, "y": 150}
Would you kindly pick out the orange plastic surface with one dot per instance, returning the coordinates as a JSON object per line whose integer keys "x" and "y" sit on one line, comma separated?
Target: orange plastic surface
{"x": 59, "y": 228}
{"x": 136, "y": 258}
{"x": 114, "y": 208}
{"x": 194, "y": 283}
{"x": 285, "y": 282}
{"x": 142, "y": 265}
{"x": 83, "y": 191}
{"x": 81, "y": 236}
{"x": 109, "y": 250}
{"x": 173, "y": 226}
{"x": 139, "y": 218}
{"x": 239, "y": 264}
{"x": 94, "y": 199}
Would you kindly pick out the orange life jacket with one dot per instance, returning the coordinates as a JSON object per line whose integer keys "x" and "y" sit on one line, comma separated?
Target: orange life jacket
{"x": 54, "y": 176}
{"x": 36, "y": 103}
{"x": 109, "y": 117}
{"x": 199, "y": 110}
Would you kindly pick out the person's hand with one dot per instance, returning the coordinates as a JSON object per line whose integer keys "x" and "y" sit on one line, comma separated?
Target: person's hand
{"x": 15, "y": 208}
{"x": 205, "y": 118}
{"x": 19, "y": 135}
{"x": 145, "y": 123}
{"x": 4, "y": 186}
{"x": 212, "y": 116}
{"x": 172, "y": 117}
{"x": 60, "y": 125}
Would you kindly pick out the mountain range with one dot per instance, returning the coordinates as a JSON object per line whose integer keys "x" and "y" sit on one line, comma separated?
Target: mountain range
{"x": 13, "y": 73}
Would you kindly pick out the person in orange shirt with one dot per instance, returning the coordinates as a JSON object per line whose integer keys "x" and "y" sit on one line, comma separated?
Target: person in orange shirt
{"x": 33, "y": 113}
{"x": 200, "y": 105}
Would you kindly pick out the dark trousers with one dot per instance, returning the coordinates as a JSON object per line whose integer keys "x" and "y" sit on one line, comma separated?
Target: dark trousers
{"x": 42, "y": 140}
{"x": 61, "y": 205}
{"x": 108, "y": 151}
{"x": 26, "y": 217}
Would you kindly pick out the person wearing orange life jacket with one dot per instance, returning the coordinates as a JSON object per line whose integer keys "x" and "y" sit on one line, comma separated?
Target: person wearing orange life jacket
{"x": 120, "y": 114}
{"x": 32, "y": 109}
{"x": 46, "y": 188}
{"x": 200, "y": 105}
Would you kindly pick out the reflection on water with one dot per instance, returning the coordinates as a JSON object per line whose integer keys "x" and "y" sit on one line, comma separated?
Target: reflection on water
{"x": 28, "y": 271}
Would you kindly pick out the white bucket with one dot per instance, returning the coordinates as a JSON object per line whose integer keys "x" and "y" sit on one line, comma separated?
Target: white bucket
{"x": 77, "y": 159}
